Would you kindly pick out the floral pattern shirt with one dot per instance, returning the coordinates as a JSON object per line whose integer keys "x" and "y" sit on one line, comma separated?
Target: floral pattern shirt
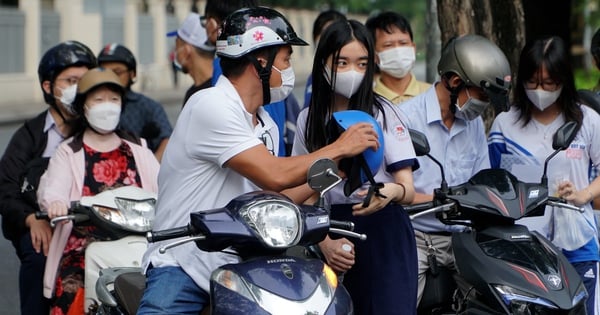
{"x": 103, "y": 171}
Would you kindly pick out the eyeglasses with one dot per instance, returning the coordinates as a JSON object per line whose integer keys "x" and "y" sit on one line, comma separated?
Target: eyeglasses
{"x": 70, "y": 80}
{"x": 203, "y": 21}
{"x": 546, "y": 85}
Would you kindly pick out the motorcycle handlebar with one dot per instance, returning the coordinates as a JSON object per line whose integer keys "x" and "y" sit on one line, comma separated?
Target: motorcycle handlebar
{"x": 343, "y": 225}
{"x": 76, "y": 218}
{"x": 41, "y": 215}
{"x": 561, "y": 203}
{"x": 419, "y": 207}
{"x": 163, "y": 235}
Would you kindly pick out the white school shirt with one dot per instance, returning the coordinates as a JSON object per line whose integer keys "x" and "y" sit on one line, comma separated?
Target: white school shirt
{"x": 212, "y": 128}
{"x": 522, "y": 151}
{"x": 462, "y": 151}
{"x": 398, "y": 151}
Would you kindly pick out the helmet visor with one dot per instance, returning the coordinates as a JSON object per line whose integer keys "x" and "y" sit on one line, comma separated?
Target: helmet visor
{"x": 498, "y": 97}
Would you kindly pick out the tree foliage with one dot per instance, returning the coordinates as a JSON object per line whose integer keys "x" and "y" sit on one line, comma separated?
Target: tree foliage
{"x": 406, "y": 8}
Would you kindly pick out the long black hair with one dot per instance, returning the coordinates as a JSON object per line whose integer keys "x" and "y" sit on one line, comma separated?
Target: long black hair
{"x": 552, "y": 53}
{"x": 321, "y": 107}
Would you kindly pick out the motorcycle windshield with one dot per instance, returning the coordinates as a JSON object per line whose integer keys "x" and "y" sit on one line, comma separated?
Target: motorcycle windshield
{"x": 498, "y": 180}
{"x": 531, "y": 254}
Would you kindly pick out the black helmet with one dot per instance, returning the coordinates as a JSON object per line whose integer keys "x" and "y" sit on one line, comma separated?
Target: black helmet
{"x": 249, "y": 29}
{"x": 62, "y": 56}
{"x": 114, "y": 52}
{"x": 480, "y": 63}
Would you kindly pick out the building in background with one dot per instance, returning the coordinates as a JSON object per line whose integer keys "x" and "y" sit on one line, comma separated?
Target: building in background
{"x": 29, "y": 27}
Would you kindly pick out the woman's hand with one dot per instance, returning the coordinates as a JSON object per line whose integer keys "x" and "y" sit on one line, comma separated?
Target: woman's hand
{"x": 339, "y": 259}
{"x": 391, "y": 191}
{"x": 41, "y": 233}
{"x": 567, "y": 191}
{"x": 57, "y": 209}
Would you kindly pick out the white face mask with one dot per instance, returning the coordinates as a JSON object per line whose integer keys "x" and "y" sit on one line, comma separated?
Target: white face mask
{"x": 103, "y": 117}
{"x": 287, "y": 85}
{"x": 178, "y": 65}
{"x": 347, "y": 82}
{"x": 67, "y": 97}
{"x": 397, "y": 61}
{"x": 472, "y": 108}
{"x": 542, "y": 98}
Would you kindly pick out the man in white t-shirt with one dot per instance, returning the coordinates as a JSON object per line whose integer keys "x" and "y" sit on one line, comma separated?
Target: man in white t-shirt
{"x": 223, "y": 145}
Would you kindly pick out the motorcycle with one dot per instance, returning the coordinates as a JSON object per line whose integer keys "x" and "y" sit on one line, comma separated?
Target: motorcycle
{"x": 501, "y": 267}
{"x": 123, "y": 215}
{"x": 260, "y": 227}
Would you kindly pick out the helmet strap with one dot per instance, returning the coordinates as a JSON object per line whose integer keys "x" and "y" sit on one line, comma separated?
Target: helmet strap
{"x": 264, "y": 73}
{"x": 453, "y": 93}
{"x": 375, "y": 186}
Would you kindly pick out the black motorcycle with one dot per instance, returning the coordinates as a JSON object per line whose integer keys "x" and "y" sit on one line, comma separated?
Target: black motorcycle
{"x": 501, "y": 267}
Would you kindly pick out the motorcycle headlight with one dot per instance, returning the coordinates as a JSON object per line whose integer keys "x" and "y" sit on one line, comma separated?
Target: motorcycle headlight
{"x": 276, "y": 222}
{"x": 133, "y": 215}
{"x": 522, "y": 303}
{"x": 580, "y": 295}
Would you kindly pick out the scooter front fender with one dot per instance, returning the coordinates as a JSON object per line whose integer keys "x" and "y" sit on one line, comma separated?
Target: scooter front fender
{"x": 277, "y": 285}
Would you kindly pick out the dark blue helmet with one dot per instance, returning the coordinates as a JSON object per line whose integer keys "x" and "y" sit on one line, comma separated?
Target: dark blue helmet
{"x": 363, "y": 167}
{"x": 58, "y": 58}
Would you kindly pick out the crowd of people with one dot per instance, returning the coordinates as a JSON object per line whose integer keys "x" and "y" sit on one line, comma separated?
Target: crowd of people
{"x": 241, "y": 129}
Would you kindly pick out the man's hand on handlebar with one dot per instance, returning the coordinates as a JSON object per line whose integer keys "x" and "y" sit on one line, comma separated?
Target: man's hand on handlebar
{"x": 337, "y": 258}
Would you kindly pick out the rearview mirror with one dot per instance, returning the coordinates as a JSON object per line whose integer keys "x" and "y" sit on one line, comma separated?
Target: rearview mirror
{"x": 322, "y": 175}
{"x": 560, "y": 141}
{"x": 565, "y": 135}
{"x": 419, "y": 142}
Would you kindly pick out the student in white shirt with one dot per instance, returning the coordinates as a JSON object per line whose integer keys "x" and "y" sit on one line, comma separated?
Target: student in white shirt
{"x": 520, "y": 140}
{"x": 223, "y": 145}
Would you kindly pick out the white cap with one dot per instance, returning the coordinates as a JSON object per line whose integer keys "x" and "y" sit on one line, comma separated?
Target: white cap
{"x": 192, "y": 32}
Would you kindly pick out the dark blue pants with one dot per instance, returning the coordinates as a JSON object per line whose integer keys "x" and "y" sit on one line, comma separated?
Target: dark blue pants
{"x": 383, "y": 280}
{"x": 31, "y": 274}
{"x": 589, "y": 275}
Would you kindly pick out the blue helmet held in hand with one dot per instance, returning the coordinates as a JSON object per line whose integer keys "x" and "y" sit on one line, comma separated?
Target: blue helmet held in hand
{"x": 361, "y": 168}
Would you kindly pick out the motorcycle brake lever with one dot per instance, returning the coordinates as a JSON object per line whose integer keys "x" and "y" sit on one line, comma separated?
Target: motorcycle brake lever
{"x": 70, "y": 217}
{"x": 163, "y": 249}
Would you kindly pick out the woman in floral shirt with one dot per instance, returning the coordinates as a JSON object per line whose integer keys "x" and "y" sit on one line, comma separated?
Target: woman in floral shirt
{"x": 99, "y": 157}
